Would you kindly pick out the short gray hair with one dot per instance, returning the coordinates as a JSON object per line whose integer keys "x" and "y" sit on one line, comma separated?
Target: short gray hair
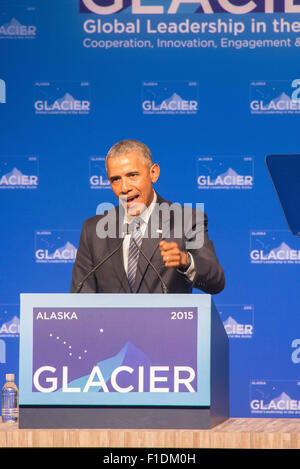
{"x": 127, "y": 146}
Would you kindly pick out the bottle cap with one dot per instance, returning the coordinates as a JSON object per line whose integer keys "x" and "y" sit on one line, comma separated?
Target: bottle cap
{"x": 10, "y": 377}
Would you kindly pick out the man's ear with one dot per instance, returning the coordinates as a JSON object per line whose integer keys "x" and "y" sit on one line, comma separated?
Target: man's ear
{"x": 154, "y": 172}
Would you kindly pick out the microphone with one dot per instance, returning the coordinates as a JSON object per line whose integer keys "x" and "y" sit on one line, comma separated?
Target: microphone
{"x": 163, "y": 285}
{"x": 80, "y": 285}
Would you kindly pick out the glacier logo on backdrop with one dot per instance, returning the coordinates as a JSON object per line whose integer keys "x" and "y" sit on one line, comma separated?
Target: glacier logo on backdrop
{"x": 18, "y": 172}
{"x": 238, "y": 320}
{"x": 228, "y": 172}
{"x": 149, "y": 7}
{"x": 272, "y": 397}
{"x": 178, "y": 97}
{"x": 275, "y": 97}
{"x": 97, "y": 173}
{"x": 9, "y": 321}
{"x": 64, "y": 98}
{"x": 18, "y": 22}
{"x": 56, "y": 246}
{"x": 274, "y": 247}
{"x": 155, "y": 7}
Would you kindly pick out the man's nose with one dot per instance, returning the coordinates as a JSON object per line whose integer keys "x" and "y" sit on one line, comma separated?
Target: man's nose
{"x": 125, "y": 186}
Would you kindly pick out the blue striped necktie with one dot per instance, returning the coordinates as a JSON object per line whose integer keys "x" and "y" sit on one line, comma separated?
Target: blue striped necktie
{"x": 133, "y": 254}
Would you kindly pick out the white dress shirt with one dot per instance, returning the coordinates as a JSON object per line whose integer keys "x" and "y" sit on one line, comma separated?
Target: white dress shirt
{"x": 144, "y": 216}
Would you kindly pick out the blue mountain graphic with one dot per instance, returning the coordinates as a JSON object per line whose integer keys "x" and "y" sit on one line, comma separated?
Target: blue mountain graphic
{"x": 128, "y": 355}
{"x": 15, "y": 172}
{"x": 12, "y": 22}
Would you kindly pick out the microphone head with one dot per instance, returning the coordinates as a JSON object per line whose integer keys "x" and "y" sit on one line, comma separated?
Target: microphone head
{"x": 126, "y": 229}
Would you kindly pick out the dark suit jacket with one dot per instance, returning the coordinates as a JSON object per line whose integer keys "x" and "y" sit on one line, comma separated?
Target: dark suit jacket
{"x": 111, "y": 276}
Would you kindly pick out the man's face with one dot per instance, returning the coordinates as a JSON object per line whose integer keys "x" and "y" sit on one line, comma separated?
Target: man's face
{"x": 131, "y": 180}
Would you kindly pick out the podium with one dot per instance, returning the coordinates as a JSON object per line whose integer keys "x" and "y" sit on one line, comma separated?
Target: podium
{"x": 122, "y": 361}
{"x": 284, "y": 171}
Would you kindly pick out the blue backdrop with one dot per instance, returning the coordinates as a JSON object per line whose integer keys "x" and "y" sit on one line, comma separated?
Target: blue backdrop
{"x": 210, "y": 87}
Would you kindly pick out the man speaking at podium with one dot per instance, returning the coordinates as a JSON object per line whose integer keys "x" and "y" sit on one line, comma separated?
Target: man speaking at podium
{"x": 145, "y": 244}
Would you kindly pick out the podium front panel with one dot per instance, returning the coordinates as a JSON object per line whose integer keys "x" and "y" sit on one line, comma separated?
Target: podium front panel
{"x": 115, "y": 350}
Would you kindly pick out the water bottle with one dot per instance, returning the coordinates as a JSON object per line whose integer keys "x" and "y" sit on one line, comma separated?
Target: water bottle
{"x": 10, "y": 411}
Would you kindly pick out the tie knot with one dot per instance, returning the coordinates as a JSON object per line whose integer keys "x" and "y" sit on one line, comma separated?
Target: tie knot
{"x": 135, "y": 225}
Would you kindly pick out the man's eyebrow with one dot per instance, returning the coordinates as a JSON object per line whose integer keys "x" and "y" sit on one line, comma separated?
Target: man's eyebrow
{"x": 130, "y": 173}
{"x": 134, "y": 171}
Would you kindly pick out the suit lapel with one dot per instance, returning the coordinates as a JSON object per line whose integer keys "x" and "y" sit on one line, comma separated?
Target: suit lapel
{"x": 148, "y": 247}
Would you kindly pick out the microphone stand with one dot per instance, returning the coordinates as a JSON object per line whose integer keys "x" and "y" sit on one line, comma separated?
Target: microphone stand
{"x": 163, "y": 285}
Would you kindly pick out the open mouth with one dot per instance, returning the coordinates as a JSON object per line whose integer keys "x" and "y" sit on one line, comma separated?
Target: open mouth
{"x": 133, "y": 204}
{"x": 131, "y": 200}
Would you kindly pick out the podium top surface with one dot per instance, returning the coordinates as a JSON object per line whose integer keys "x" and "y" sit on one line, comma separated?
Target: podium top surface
{"x": 116, "y": 300}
